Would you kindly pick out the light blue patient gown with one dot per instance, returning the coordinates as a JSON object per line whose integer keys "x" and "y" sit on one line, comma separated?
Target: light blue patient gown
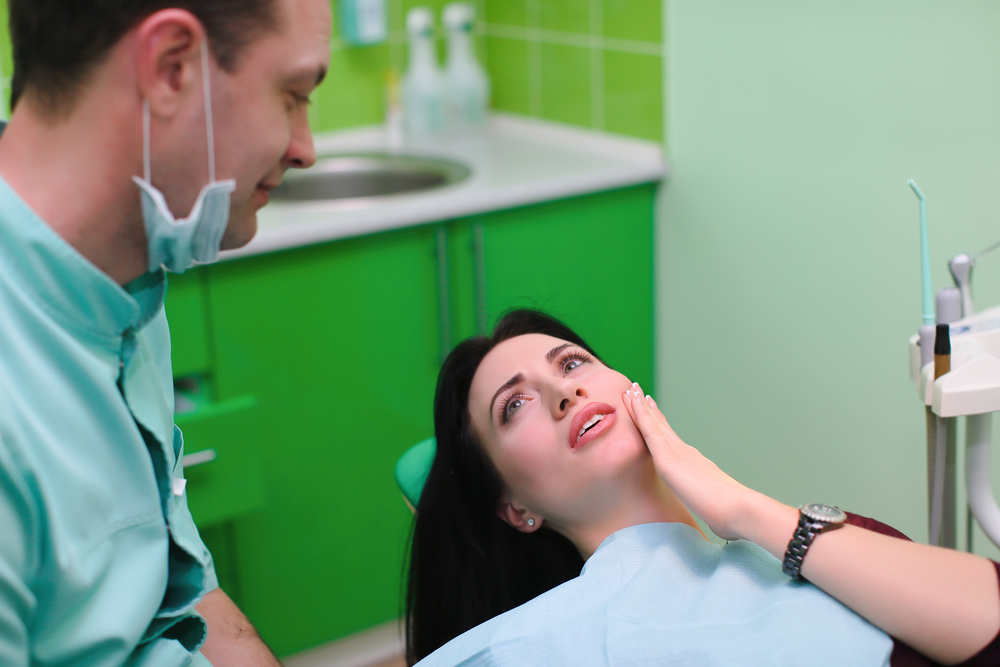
{"x": 660, "y": 594}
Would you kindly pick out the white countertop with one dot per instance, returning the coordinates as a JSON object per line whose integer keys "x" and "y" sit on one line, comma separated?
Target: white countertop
{"x": 515, "y": 162}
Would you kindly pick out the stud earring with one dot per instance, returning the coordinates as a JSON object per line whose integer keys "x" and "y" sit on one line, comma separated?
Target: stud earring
{"x": 531, "y": 522}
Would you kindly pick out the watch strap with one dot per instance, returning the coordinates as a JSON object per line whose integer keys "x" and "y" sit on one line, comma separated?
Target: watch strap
{"x": 806, "y": 531}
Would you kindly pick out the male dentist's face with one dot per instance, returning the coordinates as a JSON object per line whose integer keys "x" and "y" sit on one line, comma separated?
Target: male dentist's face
{"x": 261, "y": 121}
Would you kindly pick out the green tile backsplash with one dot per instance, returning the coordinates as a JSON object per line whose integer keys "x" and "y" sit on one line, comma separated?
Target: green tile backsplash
{"x": 594, "y": 63}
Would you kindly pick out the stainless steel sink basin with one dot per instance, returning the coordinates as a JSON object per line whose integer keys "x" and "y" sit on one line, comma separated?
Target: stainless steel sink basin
{"x": 340, "y": 177}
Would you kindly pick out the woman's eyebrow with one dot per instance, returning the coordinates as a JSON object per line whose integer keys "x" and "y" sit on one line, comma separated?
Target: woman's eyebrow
{"x": 551, "y": 354}
{"x": 517, "y": 379}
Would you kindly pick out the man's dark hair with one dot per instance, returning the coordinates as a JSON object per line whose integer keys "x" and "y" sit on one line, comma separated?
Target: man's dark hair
{"x": 57, "y": 43}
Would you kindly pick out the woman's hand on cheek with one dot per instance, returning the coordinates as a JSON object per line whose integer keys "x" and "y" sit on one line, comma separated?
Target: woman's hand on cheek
{"x": 711, "y": 494}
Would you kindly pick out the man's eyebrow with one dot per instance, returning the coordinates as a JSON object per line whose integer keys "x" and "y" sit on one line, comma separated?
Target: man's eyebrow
{"x": 313, "y": 75}
{"x": 551, "y": 354}
{"x": 517, "y": 379}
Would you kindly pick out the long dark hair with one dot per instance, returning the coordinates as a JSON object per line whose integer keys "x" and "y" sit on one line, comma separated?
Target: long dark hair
{"x": 466, "y": 564}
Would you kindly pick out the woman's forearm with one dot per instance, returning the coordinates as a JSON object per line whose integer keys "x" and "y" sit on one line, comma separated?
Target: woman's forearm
{"x": 944, "y": 603}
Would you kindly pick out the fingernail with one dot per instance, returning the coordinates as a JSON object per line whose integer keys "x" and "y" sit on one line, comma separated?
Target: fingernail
{"x": 649, "y": 398}
{"x": 635, "y": 385}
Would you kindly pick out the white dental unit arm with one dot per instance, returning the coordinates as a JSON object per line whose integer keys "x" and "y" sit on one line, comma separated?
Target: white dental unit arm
{"x": 972, "y": 390}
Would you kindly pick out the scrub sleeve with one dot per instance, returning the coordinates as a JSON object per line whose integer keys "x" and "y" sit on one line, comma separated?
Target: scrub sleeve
{"x": 903, "y": 655}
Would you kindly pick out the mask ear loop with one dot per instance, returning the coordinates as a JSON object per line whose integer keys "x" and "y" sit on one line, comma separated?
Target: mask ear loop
{"x": 145, "y": 141}
{"x": 208, "y": 111}
{"x": 146, "y": 168}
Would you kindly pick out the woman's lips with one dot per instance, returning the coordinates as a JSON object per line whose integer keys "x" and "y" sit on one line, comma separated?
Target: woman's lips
{"x": 585, "y": 415}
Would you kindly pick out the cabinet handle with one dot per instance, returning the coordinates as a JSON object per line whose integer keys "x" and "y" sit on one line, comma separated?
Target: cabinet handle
{"x": 479, "y": 264}
{"x": 444, "y": 299}
{"x": 199, "y": 458}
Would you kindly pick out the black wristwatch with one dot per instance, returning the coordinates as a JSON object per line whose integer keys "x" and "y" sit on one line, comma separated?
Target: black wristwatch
{"x": 813, "y": 520}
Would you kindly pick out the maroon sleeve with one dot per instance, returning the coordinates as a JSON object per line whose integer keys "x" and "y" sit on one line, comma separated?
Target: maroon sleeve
{"x": 904, "y": 655}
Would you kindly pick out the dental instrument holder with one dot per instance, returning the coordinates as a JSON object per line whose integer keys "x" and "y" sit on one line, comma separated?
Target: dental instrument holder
{"x": 971, "y": 388}
{"x": 941, "y": 457}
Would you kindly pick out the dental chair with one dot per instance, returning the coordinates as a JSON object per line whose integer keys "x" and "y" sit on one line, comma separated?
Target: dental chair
{"x": 412, "y": 468}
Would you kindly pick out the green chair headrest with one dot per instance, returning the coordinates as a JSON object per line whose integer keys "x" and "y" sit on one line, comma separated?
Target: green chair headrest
{"x": 412, "y": 469}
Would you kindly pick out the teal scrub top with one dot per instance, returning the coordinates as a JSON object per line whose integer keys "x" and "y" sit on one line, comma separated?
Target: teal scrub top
{"x": 100, "y": 561}
{"x": 660, "y": 594}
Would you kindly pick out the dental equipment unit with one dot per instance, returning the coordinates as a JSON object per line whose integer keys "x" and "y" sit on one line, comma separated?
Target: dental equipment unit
{"x": 956, "y": 366}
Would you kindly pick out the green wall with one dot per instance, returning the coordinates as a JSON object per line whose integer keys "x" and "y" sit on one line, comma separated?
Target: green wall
{"x": 788, "y": 256}
{"x": 595, "y": 63}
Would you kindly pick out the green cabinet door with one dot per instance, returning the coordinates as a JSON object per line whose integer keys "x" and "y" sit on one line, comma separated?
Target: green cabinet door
{"x": 340, "y": 345}
{"x": 185, "y": 307}
{"x": 587, "y": 261}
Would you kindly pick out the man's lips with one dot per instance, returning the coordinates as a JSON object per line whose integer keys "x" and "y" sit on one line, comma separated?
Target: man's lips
{"x": 264, "y": 190}
{"x": 585, "y": 415}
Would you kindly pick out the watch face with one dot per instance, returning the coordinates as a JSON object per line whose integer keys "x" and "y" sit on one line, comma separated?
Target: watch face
{"x": 826, "y": 513}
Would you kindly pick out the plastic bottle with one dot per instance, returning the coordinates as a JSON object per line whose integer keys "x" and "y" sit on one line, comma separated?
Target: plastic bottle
{"x": 468, "y": 87}
{"x": 423, "y": 85}
{"x": 362, "y": 21}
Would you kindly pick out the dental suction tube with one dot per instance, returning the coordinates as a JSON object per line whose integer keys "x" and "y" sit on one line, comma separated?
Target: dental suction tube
{"x": 977, "y": 475}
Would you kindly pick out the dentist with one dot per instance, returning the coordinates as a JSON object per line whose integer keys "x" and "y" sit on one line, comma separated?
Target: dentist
{"x": 144, "y": 134}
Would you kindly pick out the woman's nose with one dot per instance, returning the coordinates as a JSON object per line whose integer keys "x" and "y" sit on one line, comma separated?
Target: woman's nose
{"x": 567, "y": 394}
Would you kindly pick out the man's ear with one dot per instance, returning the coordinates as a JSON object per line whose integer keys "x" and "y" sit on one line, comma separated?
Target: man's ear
{"x": 168, "y": 59}
{"x": 519, "y": 518}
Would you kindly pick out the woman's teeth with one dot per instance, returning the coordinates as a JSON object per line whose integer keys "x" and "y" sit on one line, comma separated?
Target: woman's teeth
{"x": 593, "y": 420}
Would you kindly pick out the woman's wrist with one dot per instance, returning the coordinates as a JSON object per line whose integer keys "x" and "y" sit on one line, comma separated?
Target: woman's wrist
{"x": 766, "y": 522}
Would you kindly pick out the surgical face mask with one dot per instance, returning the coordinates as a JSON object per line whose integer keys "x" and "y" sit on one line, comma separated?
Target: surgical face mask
{"x": 179, "y": 244}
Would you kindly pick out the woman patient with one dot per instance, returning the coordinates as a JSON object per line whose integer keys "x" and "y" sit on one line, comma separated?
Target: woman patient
{"x": 549, "y": 462}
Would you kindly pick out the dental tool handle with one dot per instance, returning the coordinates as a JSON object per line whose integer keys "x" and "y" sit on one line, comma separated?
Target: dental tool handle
{"x": 941, "y": 457}
{"x": 943, "y": 531}
{"x": 931, "y": 424}
{"x": 942, "y": 350}
{"x": 948, "y": 305}
{"x": 977, "y": 475}
{"x": 925, "y": 257}
{"x": 927, "y": 334}
{"x": 961, "y": 271}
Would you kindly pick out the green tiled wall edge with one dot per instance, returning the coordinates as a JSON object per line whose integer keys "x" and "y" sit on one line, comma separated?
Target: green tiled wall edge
{"x": 6, "y": 63}
{"x": 595, "y": 63}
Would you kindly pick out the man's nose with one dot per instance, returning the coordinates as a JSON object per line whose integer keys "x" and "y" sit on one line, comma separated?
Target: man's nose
{"x": 301, "y": 151}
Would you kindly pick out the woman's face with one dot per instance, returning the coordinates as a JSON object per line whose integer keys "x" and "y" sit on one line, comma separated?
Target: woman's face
{"x": 552, "y": 419}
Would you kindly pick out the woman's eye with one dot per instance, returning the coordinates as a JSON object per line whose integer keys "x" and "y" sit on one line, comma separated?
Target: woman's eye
{"x": 510, "y": 406}
{"x": 573, "y": 363}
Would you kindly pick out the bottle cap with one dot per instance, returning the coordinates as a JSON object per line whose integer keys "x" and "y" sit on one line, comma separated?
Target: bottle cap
{"x": 419, "y": 21}
{"x": 458, "y": 16}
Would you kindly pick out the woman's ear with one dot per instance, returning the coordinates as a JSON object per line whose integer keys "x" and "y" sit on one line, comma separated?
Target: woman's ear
{"x": 168, "y": 59}
{"x": 519, "y": 518}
